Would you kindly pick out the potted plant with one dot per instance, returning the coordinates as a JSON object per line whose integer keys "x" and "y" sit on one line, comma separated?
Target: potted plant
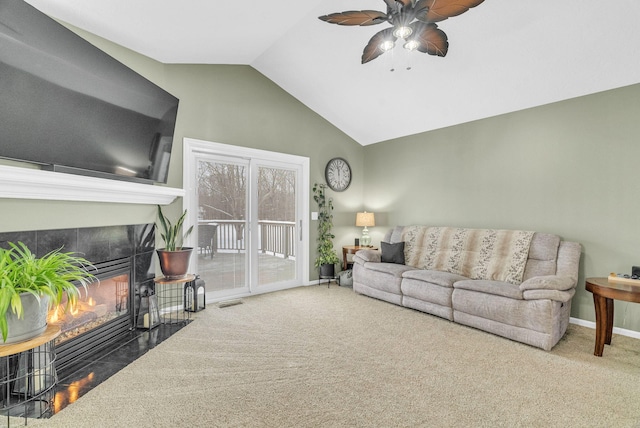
{"x": 174, "y": 258}
{"x": 29, "y": 286}
{"x": 326, "y": 257}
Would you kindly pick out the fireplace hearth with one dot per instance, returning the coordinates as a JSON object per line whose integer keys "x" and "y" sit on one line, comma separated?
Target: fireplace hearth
{"x": 105, "y": 312}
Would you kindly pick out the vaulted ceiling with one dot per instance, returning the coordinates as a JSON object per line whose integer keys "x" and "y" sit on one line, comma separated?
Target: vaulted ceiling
{"x": 504, "y": 55}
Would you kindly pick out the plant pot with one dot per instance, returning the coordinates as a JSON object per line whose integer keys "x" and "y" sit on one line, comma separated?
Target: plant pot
{"x": 174, "y": 264}
{"x": 327, "y": 271}
{"x": 34, "y": 321}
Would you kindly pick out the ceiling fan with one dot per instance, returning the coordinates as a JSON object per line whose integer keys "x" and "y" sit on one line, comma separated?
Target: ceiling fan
{"x": 411, "y": 20}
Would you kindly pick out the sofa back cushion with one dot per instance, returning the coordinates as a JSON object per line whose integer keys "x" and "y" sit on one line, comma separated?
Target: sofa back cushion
{"x": 394, "y": 235}
{"x": 543, "y": 256}
{"x": 499, "y": 255}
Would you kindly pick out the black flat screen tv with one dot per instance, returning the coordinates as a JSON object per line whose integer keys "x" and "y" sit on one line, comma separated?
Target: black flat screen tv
{"x": 70, "y": 107}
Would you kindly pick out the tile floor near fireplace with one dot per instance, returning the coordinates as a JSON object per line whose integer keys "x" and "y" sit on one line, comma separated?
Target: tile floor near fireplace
{"x": 91, "y": 371}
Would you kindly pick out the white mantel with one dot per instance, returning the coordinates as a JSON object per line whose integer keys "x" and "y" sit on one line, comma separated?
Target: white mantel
{"x": 26, "y": 183}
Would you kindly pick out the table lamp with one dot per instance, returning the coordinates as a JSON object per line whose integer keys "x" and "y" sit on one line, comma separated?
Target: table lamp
{"x": 365, "y": 220}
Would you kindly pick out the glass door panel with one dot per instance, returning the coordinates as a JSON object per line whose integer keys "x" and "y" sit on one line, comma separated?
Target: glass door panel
{"x": 222, "y": 224}
{"x": 277, "y": 222}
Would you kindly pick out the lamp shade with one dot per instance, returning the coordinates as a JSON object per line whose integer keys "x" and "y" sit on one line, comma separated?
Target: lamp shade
{"x": 365, "y": 219}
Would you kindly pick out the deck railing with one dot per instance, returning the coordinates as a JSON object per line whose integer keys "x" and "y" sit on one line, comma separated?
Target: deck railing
{"x": 274, "y": 237}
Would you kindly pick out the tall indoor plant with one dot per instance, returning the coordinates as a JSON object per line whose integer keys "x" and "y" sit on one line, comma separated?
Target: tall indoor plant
{"x": 174, "y": 258}
{"x": 326, "y": 257}
{"x": 29, "y": 286}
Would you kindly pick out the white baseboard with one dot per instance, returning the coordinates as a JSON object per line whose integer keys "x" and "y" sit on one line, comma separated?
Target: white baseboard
{"x": 616, "y": 330}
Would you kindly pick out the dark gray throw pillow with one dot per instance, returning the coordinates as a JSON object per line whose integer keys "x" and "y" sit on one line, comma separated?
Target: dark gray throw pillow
{"x": 393, "y": 253}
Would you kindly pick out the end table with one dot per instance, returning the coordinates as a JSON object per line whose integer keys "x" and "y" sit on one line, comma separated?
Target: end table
{"x": 604, "y": 293}
{"x": 352, "y": 249}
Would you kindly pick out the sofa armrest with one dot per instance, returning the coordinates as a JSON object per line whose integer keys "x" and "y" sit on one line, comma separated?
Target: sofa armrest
{"x": 562, "y": 286}
{"x": 363, "y": 256}
{"x": 549, "y": 282}
{"x": 553, "y": 287}
{"x": 557, "y": 295}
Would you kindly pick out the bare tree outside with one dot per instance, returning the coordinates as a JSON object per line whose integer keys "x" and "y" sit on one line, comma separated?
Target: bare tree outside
{"x": 222, "y": 215}
{"x": 222, "y": 189}
{"x": 276, "y": 191}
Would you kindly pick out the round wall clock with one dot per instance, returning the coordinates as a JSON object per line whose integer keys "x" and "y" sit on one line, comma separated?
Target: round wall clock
{"x": 338, "y": 174}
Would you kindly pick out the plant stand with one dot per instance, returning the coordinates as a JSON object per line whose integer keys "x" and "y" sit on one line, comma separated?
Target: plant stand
{"x": 326, "y": 274}
{"x": 28, "y": 376}
{"x": 170, "y": 293}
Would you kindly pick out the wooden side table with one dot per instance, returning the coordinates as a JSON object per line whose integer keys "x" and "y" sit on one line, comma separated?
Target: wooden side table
{"x": 604, "y": 293}
{"x": 352, "y": 249}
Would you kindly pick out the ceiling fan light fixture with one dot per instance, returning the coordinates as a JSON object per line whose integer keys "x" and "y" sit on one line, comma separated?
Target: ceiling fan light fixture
{"x": 411, "y": 45}
{"x": 402, "y": 32}
{"x": 413, "y": 21}
{"x": 387, "y": 45}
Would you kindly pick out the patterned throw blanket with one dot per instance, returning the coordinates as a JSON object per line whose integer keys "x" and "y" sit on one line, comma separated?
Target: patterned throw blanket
{"x": 499, "y": 255}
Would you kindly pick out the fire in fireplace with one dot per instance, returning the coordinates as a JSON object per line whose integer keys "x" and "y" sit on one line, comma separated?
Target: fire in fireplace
{"x": 103, "y": 312}
{"x": 102, "y": 302}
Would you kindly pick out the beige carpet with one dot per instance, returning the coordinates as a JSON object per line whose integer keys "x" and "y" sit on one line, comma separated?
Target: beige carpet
{"x": 327, "y": 357}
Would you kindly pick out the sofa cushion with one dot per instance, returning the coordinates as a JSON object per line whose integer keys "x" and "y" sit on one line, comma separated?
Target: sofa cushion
{"x": 498, "y": 288}
{"x": 392, "y": 253}
{"x": 392, "y": 269}
{"x": 537, "y": 315}
{"x": 489, "y": 254}
{"x": 544, "y": 246}
{"x": 363, "y": 256}
{"x": 396, "y": 235}
{"x": 443, "y": 279}
{"x": 543, "y": 253}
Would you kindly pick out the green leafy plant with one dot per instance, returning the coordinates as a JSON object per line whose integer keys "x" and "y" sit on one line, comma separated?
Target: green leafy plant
{"x": 170, "y": 233}
{"x": 326, "y": 253}
{"x": 53, "y": 275}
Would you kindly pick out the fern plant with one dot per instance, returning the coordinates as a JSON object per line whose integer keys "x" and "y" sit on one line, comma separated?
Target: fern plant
{"x": 52, "y": 275}
{"x": 170, "y": 233}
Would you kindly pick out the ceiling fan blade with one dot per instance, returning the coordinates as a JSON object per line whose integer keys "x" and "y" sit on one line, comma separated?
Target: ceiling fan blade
{"x": 373, "y": 49}
{"x": 439, "y": 10}
{"x": 430, "y": 38}
{"x": 355, "y": 17}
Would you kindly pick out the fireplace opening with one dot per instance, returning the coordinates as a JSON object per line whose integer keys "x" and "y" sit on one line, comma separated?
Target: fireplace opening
{"x": 101, "y": 315}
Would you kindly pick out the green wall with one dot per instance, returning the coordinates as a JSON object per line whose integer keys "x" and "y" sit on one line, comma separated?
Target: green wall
{"x": 565, "y": 168}
{"x": 568, "y": 168}
{"x": 224, "y": 104}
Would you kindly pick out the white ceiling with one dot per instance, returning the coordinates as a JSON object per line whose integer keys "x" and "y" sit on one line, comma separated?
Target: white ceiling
{"x": 504, "y": 55}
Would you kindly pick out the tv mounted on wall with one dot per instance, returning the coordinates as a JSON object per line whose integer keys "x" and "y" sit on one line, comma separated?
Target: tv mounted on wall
{"x": 70, "y": 107}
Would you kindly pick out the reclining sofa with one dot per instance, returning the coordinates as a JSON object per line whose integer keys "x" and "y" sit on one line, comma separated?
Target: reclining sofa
{"x": 515, "y": 284}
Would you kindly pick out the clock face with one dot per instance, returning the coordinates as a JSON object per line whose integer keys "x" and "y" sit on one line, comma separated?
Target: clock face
{"x": 338, "y": 174}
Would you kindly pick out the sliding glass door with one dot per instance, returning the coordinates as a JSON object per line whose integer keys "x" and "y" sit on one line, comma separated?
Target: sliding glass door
{"x": 249, "y": 213}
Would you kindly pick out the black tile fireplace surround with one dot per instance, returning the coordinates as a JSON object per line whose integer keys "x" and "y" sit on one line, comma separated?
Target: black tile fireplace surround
{"x": 134, "y": 244}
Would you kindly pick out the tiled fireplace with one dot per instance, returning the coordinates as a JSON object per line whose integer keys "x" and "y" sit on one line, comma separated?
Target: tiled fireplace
{"x": 123, "y": 256}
